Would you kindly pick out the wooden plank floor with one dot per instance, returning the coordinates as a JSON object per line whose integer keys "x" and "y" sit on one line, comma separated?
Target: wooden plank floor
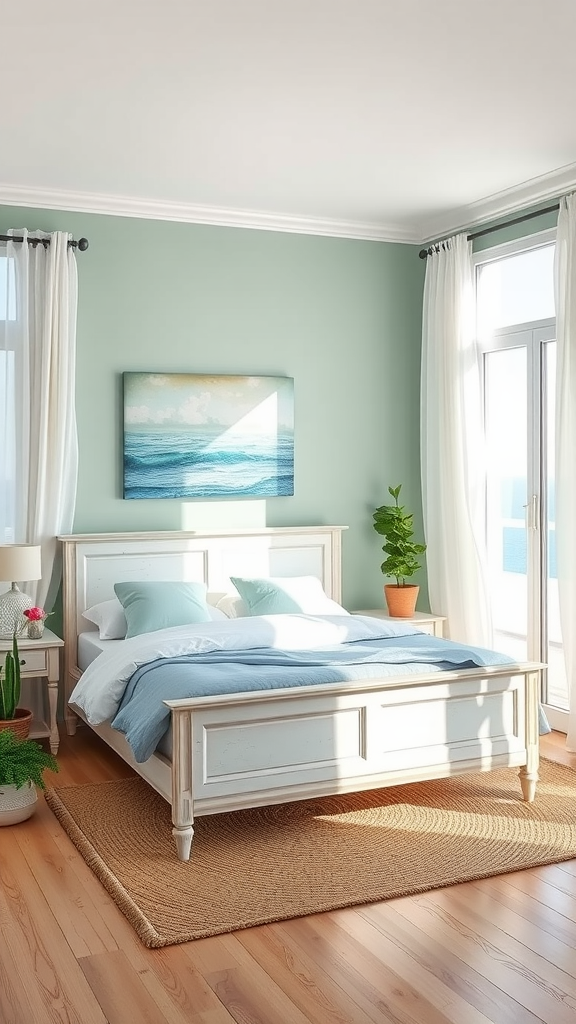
{"x": 498, "y": 951}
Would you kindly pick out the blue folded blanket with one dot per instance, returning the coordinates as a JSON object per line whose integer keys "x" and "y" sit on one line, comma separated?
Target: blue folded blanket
{"x": 144, "y": 718}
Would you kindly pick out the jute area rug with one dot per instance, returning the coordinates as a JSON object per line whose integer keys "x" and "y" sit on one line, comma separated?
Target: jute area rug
{"x": 272, "y": 863}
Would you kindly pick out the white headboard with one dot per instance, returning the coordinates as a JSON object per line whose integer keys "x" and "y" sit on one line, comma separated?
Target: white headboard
{"x": 93, "y": 563}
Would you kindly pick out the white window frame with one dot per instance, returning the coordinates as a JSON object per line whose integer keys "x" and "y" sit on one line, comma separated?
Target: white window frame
{"x": 531, "y": 334}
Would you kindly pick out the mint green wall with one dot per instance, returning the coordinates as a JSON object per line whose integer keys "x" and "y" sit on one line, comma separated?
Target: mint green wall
{"x": 342, "y": 317}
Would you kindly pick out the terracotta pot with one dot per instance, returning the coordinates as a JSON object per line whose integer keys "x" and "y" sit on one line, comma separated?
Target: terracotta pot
{"x": 17, "y": 804}
{"x": 401, "y": 600}
{"x": 20, "y": 724}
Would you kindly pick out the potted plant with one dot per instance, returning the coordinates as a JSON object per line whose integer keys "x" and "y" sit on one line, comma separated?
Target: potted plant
{"x": 22, "y": 764}
{"x": 11, "y": 716}
{"x": 397, "y": 525}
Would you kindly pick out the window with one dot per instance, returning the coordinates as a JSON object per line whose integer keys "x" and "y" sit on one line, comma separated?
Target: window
{"x": 516, "y": 336}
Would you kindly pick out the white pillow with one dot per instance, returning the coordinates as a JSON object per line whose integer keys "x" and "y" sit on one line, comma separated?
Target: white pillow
{"x": 111, "y": 621}
{"x": 216, "y": 614}
{"x": 232, "y": 606}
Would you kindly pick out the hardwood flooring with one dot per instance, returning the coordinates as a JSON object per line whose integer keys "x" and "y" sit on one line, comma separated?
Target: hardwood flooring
{"x": 498, "y": 951}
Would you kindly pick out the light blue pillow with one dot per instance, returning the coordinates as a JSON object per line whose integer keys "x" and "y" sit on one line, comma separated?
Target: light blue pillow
{"x": 149, "y": 606}
{"x": 277, "y": 595}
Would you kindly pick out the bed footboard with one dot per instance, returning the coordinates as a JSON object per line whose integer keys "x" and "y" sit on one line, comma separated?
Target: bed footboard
{"x": 245, "y": 750}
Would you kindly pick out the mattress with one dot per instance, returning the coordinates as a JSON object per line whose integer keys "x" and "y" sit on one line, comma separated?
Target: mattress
{"x": 90, "y": 646}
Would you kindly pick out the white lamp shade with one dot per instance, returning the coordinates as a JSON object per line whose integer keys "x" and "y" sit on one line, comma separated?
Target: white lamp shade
{"x": 20, "y": 562}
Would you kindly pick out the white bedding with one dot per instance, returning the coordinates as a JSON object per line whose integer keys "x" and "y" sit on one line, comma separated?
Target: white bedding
{"x": 99, "y": 691}
{"x": 90, "y": 646}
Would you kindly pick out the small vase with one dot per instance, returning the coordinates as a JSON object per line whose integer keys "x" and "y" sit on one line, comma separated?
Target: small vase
{"x": 35, "y": 629}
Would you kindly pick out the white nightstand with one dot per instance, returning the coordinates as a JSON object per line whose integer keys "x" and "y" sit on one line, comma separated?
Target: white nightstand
{"x": 40, "y": 659}
{"x": 426, "y": 621}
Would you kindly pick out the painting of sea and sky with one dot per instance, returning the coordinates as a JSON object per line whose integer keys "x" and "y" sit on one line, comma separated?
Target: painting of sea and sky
{"x": 189, "y": 435}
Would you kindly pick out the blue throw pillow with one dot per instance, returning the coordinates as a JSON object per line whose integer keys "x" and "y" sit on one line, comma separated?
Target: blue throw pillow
{"x": 151, "y": 605}
{"x": 277, "y": 595}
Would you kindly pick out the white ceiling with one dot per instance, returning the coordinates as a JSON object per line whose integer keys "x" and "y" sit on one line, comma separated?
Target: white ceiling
{"x": 402, "y": 120}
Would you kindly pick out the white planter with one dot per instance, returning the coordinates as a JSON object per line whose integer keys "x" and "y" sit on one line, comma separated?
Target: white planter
{"x": 17, "y": 804}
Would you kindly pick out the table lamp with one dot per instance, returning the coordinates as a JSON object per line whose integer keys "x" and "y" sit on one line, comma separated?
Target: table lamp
{"x": 17, "y": 562}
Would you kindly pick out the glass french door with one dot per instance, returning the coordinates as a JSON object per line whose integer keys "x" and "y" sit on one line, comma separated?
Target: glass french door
{"x": 519, "y": 372}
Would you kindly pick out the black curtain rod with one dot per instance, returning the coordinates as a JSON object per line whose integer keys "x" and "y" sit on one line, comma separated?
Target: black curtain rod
{"x": 81, "y": 244}
{"x": 488, "y": 231}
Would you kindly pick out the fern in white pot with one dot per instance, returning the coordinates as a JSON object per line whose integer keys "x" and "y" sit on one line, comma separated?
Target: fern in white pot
{"x": 22, "y": 766}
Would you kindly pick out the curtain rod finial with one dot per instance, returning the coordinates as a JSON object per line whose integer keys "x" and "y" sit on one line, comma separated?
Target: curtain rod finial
{"x": 83, "y": 244}
{"x": 423, "y": 254}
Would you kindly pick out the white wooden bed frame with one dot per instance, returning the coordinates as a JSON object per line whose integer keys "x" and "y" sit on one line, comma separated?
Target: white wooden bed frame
{"x": 244, "y": 750}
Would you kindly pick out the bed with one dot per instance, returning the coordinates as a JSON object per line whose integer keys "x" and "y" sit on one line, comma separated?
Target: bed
{"x": 227, "y": 751}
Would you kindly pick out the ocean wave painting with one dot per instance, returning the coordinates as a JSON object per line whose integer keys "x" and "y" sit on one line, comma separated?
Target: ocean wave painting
{"x": 208, "y": 436}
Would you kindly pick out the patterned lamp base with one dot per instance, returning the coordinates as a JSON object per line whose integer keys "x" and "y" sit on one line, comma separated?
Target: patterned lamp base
{"x": 12, "y": 619}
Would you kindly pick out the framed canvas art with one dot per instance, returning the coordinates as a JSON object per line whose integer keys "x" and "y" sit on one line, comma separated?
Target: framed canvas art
{"x": 189, "y": 435}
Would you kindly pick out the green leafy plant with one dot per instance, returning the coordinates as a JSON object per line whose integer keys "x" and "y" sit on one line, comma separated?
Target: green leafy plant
{"x": 10, "y": 683}
{"x": 23, "y": 761}
{"x": 397, "y": 526}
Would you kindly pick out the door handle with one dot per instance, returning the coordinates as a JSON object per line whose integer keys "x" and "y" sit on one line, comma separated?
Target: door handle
{"x": 532, "y": 512}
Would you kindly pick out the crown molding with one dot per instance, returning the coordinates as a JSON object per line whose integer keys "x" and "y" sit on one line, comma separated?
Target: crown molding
{"x": 152, "y": 209}
{"x": 502, "y": 204}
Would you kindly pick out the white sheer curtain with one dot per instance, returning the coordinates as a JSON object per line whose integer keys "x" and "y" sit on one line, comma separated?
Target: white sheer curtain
{"x": 565, "y": 275}
{"x": 38, "y": 442}
{"x": 452, "y": 446}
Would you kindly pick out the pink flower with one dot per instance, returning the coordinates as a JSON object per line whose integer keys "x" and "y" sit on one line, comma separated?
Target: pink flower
{"x": 35, "y": 614}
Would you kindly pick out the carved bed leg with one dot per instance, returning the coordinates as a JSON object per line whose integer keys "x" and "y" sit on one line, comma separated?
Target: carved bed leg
{"x": 71, "y": 723}
{"x": 70, "y": 717}
{"x": 528, "y": 782}
{"x": 529, "y": 772}
{"x": 182, "y": 805}
{"x": 183, "y": 838}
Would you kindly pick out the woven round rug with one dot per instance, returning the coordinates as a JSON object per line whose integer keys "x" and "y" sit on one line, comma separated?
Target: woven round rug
{"x": 289, "y": 860}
